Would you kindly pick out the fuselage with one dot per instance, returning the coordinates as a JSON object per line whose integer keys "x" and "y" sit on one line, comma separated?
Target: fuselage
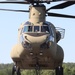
{"x": 37, "y": 42}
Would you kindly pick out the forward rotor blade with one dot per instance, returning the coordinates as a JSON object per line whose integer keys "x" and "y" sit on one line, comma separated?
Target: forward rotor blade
{"x": 15, "y": 10}
{"x": 60, "y": 15}
{"x": 15, "y": 2}
{"x": 62, "y": 5}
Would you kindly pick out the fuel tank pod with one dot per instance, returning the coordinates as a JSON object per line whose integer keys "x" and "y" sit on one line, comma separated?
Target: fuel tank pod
{"x": 17, "y": 51}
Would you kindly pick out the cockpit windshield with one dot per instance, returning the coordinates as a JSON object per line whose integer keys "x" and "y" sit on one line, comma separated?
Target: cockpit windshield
{"x": 27, "y": 29}
{"x": 44, "y": 28}
{"x": 35, "y": 29}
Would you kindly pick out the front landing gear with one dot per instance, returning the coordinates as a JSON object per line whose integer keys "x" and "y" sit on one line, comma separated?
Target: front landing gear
{"x": 59, "y": 70}
{"x": 16, "y": 70}
{"x": 37, "y": 67}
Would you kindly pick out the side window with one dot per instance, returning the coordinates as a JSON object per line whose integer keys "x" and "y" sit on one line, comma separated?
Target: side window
{"x": 25, "y": 29}
{"x": 51, "y": 34}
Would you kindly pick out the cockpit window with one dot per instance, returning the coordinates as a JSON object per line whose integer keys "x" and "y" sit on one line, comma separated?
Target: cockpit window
{"x": 44, "y": 29}
{"x": 36, "y": 28}
{"x": 27, "y": 23}
{"x": 27, "y": 29}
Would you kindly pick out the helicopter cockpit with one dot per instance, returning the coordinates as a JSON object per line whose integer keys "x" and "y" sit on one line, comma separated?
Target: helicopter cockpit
{"x": 46, "y": 28}
{"x": 28, "y": 27}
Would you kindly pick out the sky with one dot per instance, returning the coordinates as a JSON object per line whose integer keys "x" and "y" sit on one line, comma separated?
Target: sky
{"x": 10, "y": 22}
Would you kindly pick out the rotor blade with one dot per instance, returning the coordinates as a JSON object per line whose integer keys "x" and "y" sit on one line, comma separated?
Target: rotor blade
{"x": 40, "y": 1}
{"x": 60, "y": 15}
{"x": 62, "y": 5}
{"x": 15, "y": 2}
{"x": 14, "y": 10}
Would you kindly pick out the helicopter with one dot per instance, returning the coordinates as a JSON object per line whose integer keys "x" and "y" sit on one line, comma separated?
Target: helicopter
{"x": 38, "y": 39}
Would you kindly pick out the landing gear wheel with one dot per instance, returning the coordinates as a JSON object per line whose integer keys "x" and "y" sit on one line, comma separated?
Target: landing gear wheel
{"x": 37, "y": 66}
{"x": 13, "y": 70}
{"x": 59, "y": 70}
{"x": 37, "y": 69}
{"x": 16, "y": 70}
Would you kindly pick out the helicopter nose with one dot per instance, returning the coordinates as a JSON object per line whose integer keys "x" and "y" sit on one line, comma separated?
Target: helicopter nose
{"x": 36, "y": 41}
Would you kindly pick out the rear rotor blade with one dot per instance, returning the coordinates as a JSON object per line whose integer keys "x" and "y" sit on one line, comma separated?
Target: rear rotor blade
{"x": 15, "y": 10}
{"x": 15, "y": 2}
{"x": 62, "y": 5}
{"x": 60, "y": 15}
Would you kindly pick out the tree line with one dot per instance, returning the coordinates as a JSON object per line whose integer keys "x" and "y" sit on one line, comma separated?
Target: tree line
{"x": 6, "y": 69}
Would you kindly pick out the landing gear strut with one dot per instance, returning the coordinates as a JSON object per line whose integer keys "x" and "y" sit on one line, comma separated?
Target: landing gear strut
{"x": 37, "y": 67}
{"x": 16, "y": 70}
{"x": 59, "y": 70}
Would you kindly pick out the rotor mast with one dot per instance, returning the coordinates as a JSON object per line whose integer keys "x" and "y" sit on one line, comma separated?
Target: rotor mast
{"x": 37, "y": 14}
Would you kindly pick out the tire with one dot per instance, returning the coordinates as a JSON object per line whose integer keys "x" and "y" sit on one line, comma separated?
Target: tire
{"x": 59, "y": 70}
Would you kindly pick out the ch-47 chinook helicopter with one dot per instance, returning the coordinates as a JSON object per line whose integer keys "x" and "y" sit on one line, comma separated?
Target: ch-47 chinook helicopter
{"x": 37, "y": 48}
